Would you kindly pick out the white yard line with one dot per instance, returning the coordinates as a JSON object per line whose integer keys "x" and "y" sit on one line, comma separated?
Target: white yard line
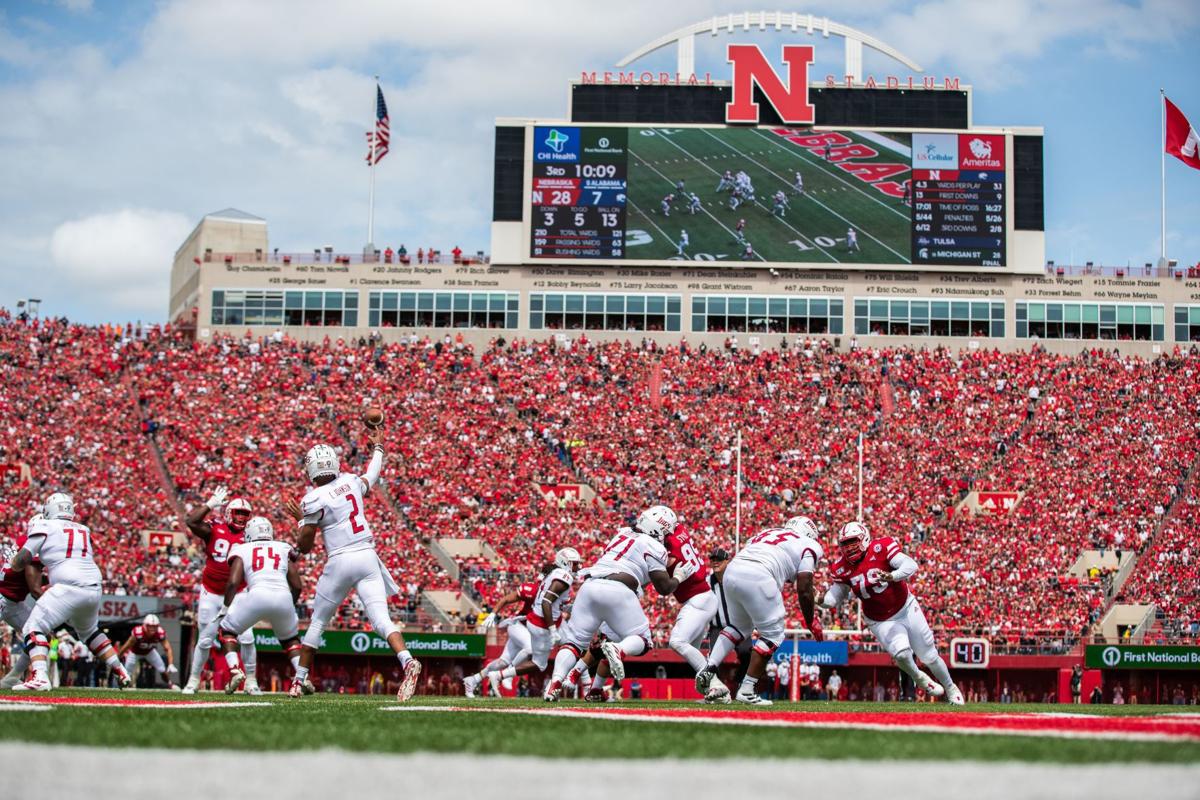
{"x": 133, "y": 774}
{"x": 903, "y": 259}
{"x": 702, "y": 208}
{"x": 808, "y": 156}
{"x": 763, "y": 206}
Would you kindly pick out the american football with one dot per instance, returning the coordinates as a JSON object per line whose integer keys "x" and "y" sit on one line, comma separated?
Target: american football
{"x": 613, "y": 400}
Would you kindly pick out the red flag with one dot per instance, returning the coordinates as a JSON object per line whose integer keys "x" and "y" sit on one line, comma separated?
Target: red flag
{"x": 1182, "y": 141}
{"x": 656, "y": 385}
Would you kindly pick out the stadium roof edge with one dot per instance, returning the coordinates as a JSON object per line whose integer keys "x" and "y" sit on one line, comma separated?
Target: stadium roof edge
{"x": 235, "y": 215}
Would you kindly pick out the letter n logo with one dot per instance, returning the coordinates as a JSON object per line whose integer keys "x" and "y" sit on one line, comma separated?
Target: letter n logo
{"x": 751, "y": 67}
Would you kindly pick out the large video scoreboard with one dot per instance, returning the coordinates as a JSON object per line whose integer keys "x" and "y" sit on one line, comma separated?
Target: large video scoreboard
{"x": 749, "y": 196}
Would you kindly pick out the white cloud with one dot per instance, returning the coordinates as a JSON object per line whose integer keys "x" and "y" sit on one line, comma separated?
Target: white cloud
{"x": 125, "y": 254}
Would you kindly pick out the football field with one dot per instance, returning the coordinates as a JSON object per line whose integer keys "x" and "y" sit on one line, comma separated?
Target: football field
{"x": 813, "y": 228}
{"x": 1080, "y": 743}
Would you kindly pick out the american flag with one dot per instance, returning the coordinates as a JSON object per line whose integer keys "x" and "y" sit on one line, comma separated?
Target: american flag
{"x": 377, "y": 141}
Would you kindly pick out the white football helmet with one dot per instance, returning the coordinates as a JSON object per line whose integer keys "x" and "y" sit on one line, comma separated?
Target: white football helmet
{"x": 853, "y": 540}
{"x": 803, "y": 526}
{"x": 151, "y": 621}
{"x": 568, "y": 559}
{"x": 321, "y": 461}
{"x": 259, "y": 529}
{"x": 656, "y": 521}
{"x": 59, "y": 505}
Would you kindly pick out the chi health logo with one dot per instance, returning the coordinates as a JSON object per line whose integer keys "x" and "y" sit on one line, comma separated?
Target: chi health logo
{"x": 1111, "y": 656}
{"x": 360, "y": 642}
{"x": 556, "y": 140}
{"x": 980, "y": 148}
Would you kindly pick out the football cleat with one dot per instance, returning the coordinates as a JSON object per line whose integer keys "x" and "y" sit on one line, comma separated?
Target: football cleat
{"x": 123, "y": 679}
{"x": 704, "y": 678}
{"x": 612, "y": 654}
{"x": 718, "y": 695}
{"x": 35, "y": 684}
{"x": 251, "y": 686}
{"x": 595, "y": 696}
{"x": 236, "y": 679}
{"x": 408, "y": 686}
{"x": 296, "y": 689}
{"x": 192, "y": 685}
{"x": 553, "y": 691}
{"x": 954, "y": 696}
{"x": 470, "y": 685}
{"x": 752, "y": 698}
{"x": 929, "y": 685}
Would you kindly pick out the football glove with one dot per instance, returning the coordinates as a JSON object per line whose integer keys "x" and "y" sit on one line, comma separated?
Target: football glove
{"x": 218, "y": 498}
{"x": 684, "y": 570}
{"x": 876, "y": 576}
{"x": 817, "y": 630}
{"x": 489, "y": 621}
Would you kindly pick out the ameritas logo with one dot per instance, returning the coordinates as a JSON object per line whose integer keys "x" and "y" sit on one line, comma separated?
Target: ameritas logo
{"x": 981, "y": 151}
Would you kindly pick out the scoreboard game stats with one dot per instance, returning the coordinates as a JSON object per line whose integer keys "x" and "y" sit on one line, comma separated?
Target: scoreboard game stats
{"x": 655, "y": 193}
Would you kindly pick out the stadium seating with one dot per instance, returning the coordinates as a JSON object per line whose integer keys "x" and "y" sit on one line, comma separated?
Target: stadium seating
{"x": 1099, "y": 444}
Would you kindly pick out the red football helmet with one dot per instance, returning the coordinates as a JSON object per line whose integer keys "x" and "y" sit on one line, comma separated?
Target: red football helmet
{"x": 237, "y": 512}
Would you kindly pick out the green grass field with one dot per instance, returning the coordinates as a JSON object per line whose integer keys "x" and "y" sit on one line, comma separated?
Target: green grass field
{"x": 812, "y": 230}
{"x": 361, "y": 724}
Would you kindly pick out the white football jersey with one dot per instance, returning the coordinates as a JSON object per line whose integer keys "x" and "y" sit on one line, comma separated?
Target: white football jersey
{"x": 65, "y": 549}
{"x": 337, "y": 508}
{"x": 265, "y": 563}
{"x": 556, "y": 574}
{"x": 783, "y": 552}
{"x": 634, "y": 554}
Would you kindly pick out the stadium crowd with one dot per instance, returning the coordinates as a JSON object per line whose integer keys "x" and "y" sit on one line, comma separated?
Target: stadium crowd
{"x": 482, "y": 445}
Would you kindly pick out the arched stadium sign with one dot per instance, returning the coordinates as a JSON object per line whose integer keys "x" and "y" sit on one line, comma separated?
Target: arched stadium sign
{"x": 751, "y": 68}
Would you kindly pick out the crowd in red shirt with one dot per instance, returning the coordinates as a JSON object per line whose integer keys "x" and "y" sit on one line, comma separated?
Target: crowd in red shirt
{"x": 1099, "y": 444}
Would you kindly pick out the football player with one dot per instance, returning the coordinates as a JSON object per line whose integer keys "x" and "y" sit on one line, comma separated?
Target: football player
{"x": 683, "y": 243}
{"x": 219, "y": 540}
{"x": 517, "y": 648}
{"x": 544, "y": 617}
{"x": 693, "y": 203}
{"x": 851, "y": 240}
{"x": 632, "y": 559}
{"x": 335, "y": 508}
{"x": 65, "y": 548}
{"x": 780, "y": 204}
{"x": 798, "y": 184}
{"x": 697, "y": 602}
{"x": 15, "y": 604}
{"x": 877, "y": 571}
{"x": 739, "y": 231}
{"x": 267, "y": 568}
{"x": 752, "y": 585}
{"x": 666, "y": 204}
{"x": 726, "y": 181}
{"x": 142, "y": 645}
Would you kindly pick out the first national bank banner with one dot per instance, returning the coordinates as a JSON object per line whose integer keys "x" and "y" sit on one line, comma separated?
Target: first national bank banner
{"x": 1134, "y": 656}
{"x": 365, "y": 643}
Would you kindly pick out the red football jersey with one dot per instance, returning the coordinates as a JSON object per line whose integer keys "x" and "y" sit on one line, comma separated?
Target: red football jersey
{"x": 879, "y": 601}
{"x": 12, "y": 581}
{"x": 216, "y": 568}
{"x": 681, "y": 547}
{"x": 527, "y": 592}
{"x": 144, "y": 641}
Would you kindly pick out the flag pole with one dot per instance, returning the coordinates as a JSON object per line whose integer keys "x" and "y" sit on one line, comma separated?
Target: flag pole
{"x": 738, "y": 524}
{"x": 374, "y": 147}
{"x": 860, "y": 476}
{"x": 1162, "y": 147}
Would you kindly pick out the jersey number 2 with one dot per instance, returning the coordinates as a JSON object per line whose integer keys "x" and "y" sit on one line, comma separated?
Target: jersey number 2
{"x": 355, "y": 514}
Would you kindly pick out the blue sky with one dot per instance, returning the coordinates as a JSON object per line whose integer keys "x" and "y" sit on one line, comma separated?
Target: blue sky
{"x": 125, "y": 122}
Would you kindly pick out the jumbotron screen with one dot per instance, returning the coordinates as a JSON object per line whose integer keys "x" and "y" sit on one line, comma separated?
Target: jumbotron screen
{"x": 737, "y": 195}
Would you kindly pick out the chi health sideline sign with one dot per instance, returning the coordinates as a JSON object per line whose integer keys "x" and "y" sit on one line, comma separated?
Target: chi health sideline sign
{"x": 821, "y": 653}
{"x": 1126, "y": 656}
{"x": 365, "y": 643}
